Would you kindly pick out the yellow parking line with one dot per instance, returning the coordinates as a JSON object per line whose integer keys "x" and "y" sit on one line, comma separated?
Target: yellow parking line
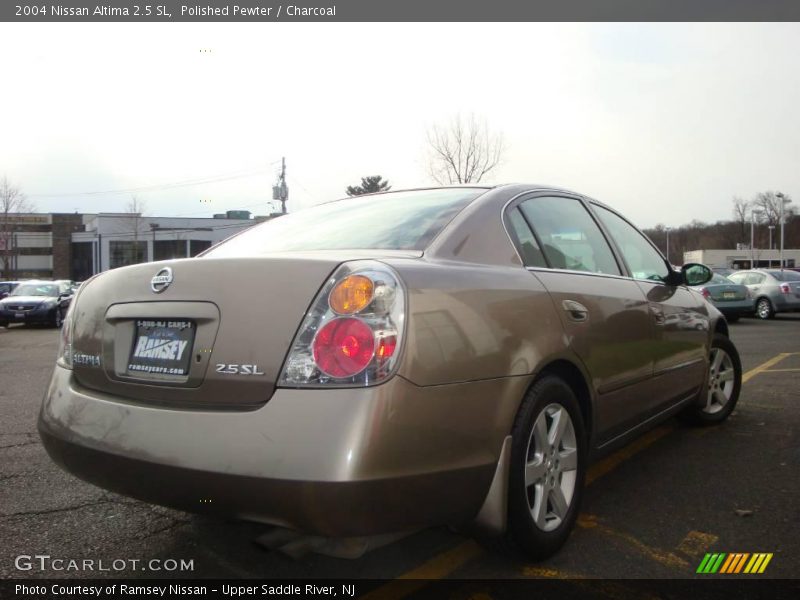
{"x": 548, "y": 573}
{"x": 668, "y": 559}
{"x": 763, "y": 367}
{"x": 612, "y": 462}
{"x": 781, "y": 371}
{"x": 438, "y": 567}
{"x": 696, "y": 543}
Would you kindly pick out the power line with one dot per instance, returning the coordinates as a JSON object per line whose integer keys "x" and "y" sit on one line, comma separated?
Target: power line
{"x": 163, "y": 186}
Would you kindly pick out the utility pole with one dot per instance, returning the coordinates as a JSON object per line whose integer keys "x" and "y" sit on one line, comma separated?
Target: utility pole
{"x": 782, "y": 199}
{"x": 667, "y": 230}
{"x": 280, "y": 190}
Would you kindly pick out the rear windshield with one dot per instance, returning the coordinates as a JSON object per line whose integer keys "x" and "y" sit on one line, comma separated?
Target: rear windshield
{"x": 394, "y": 221}
{"x": 717, "y": 278}
{"x": 785, "y": 275}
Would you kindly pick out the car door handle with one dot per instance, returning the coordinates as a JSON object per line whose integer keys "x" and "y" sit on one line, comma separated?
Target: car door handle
{"x": 575, "y": 310}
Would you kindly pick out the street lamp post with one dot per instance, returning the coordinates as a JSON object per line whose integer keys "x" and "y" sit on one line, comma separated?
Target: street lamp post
{"x": 753, "y": 215}
{"x": 667, "y": 230}
{"x": 770, "y": 227}
{"x": 782, "y": 199}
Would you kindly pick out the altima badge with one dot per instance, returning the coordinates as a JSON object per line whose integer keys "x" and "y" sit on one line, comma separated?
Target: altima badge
{"x": 161, "y": 280}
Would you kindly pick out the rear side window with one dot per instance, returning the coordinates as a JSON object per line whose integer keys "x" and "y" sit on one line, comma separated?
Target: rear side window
{"x": 570, "y": 237}
{"x": 785, "y": 275}
{"x": 528, "y": 246}
{"x": 395, "y": 221}
{"x": 644, "y": 261}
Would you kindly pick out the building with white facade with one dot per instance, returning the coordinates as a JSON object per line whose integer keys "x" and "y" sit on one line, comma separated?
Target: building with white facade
{"x": 744, "y": 259}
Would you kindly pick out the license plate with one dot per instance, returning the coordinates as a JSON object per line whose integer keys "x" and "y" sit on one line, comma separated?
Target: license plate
{"x": 19, "y": 315}
{"x": 729, "y": 295}
{"x": 162, "y": 346}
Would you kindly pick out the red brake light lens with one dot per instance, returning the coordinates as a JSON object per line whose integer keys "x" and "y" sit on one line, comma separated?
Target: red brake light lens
{"x": 344, "y": 347}
{"x": 706, "y": 293}
{"x": 785, "y": 289}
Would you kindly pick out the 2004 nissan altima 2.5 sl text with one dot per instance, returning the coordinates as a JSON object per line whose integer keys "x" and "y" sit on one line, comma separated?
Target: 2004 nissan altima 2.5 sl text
{"x": 450, "y": 356}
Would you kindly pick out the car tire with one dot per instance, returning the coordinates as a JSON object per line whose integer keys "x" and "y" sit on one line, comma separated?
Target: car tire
{"x": 764, "y": 309}
{"x": 58, "y": 319}
{"x": 721, "y": 393}
{"x": 4, "y": 324}
{"x": 547, "y": 468}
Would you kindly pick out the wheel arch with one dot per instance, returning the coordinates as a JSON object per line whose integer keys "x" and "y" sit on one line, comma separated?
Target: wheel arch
{"x": 574, "y": 377}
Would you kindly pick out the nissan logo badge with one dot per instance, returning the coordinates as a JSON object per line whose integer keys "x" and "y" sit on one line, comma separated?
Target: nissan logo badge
{"x": 162, "y": 280}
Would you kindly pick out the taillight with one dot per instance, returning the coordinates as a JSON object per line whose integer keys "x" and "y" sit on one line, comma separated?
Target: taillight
{"x": 352, "y": 333}
{"x": 706, "y": 293}
{"x": 64, "y": 356}
{"x": 343, "y": 347}
{"x": 785, "y": 288}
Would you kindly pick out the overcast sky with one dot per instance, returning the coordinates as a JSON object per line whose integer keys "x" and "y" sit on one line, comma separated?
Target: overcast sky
{"x": 666, "y": 122}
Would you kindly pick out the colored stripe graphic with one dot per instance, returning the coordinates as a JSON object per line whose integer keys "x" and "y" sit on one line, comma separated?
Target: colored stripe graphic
{"x": 731, "y": 563}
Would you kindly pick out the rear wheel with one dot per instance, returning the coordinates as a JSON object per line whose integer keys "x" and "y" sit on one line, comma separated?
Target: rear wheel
{"x": 721, "y": 393}
{"x": 548, "y": 462}
{"x": 764, "y": 309}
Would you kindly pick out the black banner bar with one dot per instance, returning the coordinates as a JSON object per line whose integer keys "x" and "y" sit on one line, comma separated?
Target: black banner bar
{"x": 712, "y": 588}
{"x": 67, "y": 11}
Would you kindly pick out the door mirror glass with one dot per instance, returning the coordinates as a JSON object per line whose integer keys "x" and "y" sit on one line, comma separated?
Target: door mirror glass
{"x": 696, "y": 274}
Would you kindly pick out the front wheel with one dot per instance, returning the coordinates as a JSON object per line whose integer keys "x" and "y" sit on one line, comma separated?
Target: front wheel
{"x": 721, "y": 393}
{"x": 548, "y": 463}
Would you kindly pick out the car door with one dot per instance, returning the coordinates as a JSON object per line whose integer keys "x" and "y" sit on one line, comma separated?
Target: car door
{"x": 679, "y": 315}
{"x": 604, "y": 314}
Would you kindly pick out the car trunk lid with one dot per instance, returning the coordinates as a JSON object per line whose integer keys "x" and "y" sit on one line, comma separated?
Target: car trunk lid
{"x": 215, "y": 336}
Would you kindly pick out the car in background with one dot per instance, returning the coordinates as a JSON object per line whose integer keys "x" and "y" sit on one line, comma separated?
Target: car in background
{"x": 6, "y": 287}
{"x": 43, "y": 302}
{"x": 774, "y": 290}
{"x": 389, "y": 362}
{"x": 732, "y": 299}
{"x": 723, "y": 270}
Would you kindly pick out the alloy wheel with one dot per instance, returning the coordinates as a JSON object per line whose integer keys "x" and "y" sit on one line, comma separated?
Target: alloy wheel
{"x": 551, "y": 467}
{"x": 764, "y": 309}
{"x": 721, "y": 381}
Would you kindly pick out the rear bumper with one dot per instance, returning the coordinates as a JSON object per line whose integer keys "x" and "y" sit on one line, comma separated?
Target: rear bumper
{"x": 330, "y": 462}
{"x": 736, "y": 307}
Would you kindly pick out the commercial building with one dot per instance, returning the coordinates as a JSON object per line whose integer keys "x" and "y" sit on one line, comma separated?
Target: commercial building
{"x": 76, "y": 246}
{"x": 744, "y": 258}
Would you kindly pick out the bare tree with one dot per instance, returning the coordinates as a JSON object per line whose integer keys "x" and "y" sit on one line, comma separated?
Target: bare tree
{"x": 136, "y": 210}
{"x": 770, "y": 206}
{"x": 463, "y": 151}
{"x": 741, "y": 210}
{"x": 12, "y": 200}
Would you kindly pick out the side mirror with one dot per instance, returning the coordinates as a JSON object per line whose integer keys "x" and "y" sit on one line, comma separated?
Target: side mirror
{"x": 696, "y": 274}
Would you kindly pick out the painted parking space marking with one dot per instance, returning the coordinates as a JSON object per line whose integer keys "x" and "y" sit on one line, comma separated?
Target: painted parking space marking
{"x": 610, "y": 463}
{"x": 668, "y": 559}
{"x": 696, "y": 543}
{"x": 764, "y": 366}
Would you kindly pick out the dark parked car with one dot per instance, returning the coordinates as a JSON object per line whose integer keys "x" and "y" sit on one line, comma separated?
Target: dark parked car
{"x": 449, "y": 356}
{"x": 36, "y": 302}
{"x": 774, "y": 290}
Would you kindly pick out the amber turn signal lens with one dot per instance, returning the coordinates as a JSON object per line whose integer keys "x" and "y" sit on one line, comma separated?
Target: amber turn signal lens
{"x": 351, "y": 294}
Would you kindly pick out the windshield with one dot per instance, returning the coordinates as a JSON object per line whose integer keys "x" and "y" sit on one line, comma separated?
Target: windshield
{"x": 34, "y": 289}
{"x": 785, "y": 275}
{"x": 394, "y": 221}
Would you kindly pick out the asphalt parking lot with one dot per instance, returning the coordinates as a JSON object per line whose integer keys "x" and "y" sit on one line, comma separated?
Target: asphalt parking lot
{"x": 652, "y": 510}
